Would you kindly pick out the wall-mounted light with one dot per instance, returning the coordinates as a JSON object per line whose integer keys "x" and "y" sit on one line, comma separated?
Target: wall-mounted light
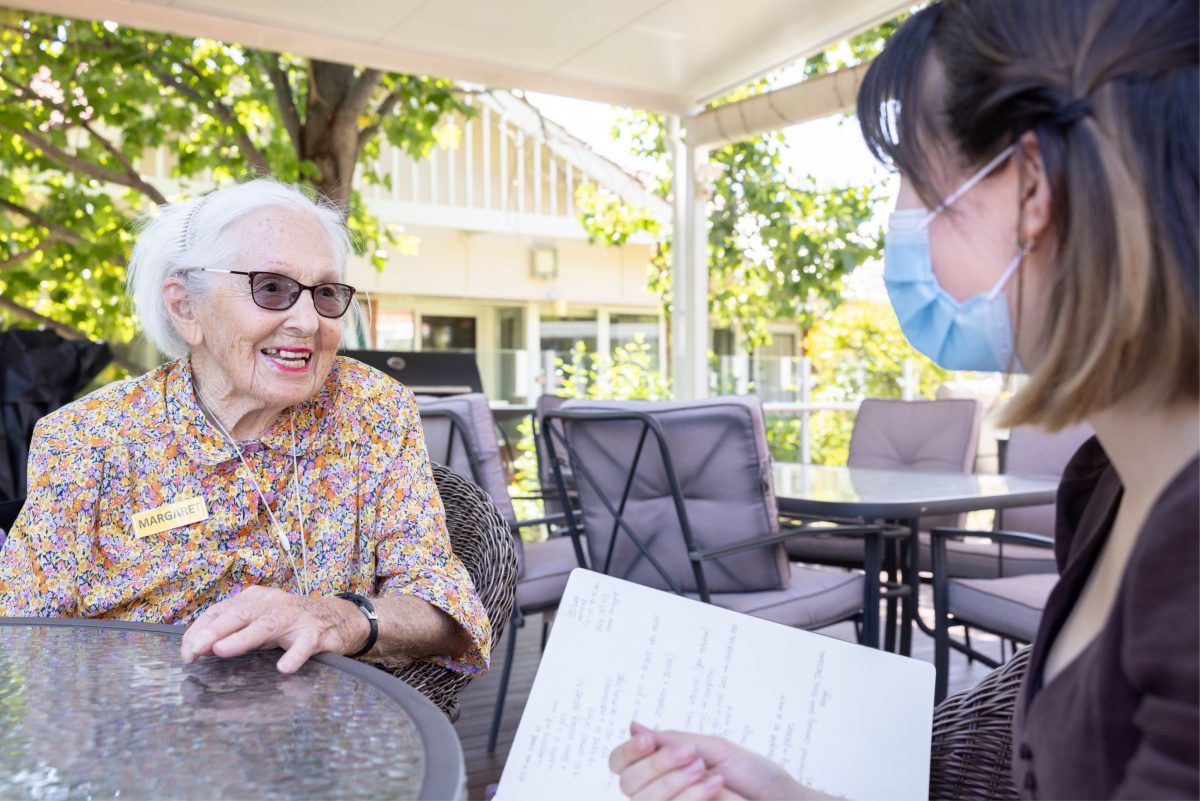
{"x": 543, "y": 262}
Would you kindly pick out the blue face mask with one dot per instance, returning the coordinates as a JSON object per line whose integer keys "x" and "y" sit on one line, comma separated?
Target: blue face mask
{"x": 975, "y": 334}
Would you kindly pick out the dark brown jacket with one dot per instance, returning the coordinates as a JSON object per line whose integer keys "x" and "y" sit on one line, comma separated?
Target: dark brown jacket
{"x": 1123, "y": 719}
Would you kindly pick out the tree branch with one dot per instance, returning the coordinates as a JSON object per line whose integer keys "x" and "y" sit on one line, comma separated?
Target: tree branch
{"x": 386, "y": 107}
{"x": 82, "y": 165}
{"x": 360, "y": 93}
{"x": 286, "y": 102}
{"x": 56, "y": 230}
{"x": 62, "y": 329}
{"x": 25, "y": 254}
{"x": 214, "y": 104}
{"x": 147, "y": 189}
{"x": 68, "y": 114}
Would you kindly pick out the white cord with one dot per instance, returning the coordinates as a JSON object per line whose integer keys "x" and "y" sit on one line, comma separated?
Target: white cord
{"x": 299, "y": 501}
{"x": 286, "y": 545}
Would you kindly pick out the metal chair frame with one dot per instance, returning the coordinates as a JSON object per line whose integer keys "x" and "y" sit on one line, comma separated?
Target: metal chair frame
{"x": 943, "y": 620}
{"x": 458, "y": 425}
{"x": 871, "y": 534}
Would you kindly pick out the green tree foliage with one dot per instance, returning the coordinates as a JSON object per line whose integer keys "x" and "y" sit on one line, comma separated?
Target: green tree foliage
{"x": 855, "y": 50}
{"x": 83, "y": 104}
{"x": 628, "y": 374}
{"x": 778, "y": 246}
{"x": 858, "y": 351}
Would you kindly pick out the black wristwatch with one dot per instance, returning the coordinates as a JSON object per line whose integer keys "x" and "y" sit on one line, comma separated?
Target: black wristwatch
{"x": 367, "y": 609}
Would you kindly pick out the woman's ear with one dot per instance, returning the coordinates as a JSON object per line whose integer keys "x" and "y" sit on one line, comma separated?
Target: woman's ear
{"x": 1035, "y": 221}
{"x": 182, "y": 311}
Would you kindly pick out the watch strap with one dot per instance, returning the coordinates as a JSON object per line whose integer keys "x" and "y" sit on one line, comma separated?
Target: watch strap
{"x": 367, "y": 609}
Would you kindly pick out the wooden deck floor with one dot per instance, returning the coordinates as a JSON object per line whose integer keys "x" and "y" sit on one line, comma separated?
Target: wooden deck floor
{"x": 479, "y": 698}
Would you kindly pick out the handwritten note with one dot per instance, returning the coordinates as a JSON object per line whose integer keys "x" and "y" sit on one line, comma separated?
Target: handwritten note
{"x": 844, "y": 719}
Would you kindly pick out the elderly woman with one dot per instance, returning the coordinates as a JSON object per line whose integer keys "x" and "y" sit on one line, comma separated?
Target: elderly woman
{"x": 259, "y": 488}
{"x": 1046, "y": 222}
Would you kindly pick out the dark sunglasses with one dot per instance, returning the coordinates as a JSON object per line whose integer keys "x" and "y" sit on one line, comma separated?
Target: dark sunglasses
{"x": 278, "y": 292}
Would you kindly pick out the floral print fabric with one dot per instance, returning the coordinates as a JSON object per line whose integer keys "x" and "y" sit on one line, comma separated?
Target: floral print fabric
{"x": 372, "y": 519}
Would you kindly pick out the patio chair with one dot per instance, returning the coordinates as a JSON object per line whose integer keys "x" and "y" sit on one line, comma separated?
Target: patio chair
{"x": 1031, "y": 453}
{"x": 1006, "y": 588}
{"x": 938, "y": 435}
{"x": 1009, "y": 607}
{"x": 550, "y": 498}
{"x": 678, "y": 496}
{"x": 460, "y": 432}
{"x": 971, "y": 754}
{"x": 480, "y": 538}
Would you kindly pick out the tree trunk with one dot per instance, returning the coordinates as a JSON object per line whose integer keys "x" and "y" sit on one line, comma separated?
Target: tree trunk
{"x": 337, "y": 98}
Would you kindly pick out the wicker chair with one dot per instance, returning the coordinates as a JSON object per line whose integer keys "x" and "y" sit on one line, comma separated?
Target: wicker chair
{"x": 480, "y": 538}
{"x": 972, "y": 737}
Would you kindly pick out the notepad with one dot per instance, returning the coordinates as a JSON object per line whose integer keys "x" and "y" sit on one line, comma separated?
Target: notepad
{"x": 842, "y": 718}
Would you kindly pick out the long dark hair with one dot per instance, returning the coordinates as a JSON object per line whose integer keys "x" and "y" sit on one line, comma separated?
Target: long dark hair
{"x": 1110, "y": 89}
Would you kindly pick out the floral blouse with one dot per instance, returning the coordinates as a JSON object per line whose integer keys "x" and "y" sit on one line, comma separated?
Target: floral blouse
{"x": 372, "y": 519}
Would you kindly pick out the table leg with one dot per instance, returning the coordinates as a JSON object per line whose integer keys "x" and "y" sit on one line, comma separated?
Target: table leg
{"x": 911, "y": 561}
{"x": 890, "y": 563}
{"x": 871, "y": 561}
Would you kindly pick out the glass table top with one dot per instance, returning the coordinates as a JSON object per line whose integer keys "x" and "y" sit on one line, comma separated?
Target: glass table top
{"x": 845, "y": 486}
{"x": 92, "y": 713}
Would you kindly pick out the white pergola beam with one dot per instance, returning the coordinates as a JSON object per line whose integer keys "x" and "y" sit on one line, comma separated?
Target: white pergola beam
{"x": 818, "y": 97}
{"x": 315, "y": 44}
{"x": 689, "y": 269}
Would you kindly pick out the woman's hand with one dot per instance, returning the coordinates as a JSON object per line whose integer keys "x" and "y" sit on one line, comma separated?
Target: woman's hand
{"x": 679, "y": 765}
{"x": 259, "y": 617}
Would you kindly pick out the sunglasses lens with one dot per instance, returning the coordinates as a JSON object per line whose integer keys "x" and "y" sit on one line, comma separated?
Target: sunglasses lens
{"x": 332, "y": 300}
{"x": 272, "y": 291}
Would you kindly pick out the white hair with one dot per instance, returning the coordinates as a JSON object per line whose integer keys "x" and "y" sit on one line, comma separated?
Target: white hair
{"x": 191, "y": 234}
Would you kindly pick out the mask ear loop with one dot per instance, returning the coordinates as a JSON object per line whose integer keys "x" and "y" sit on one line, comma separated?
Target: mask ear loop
{"x": 1026, "y": 248}
{"x": 970, "y": 183}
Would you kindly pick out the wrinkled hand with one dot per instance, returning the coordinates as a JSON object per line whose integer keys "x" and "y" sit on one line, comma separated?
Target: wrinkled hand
{"x": 679, "y": 765}
{"x": 258, "y": 618}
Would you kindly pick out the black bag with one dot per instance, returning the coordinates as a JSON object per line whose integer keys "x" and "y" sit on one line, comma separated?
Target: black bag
{"x": 39, "y": 372}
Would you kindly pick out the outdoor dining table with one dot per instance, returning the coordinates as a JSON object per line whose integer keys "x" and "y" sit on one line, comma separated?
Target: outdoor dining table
{"x": 95, "y": 709}
{"x": 904, "y": 496}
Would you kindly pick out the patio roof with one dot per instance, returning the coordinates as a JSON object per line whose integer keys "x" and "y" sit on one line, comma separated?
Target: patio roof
{"x": 662, "y": 55}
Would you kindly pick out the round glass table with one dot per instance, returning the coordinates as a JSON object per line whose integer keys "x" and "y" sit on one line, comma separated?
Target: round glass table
{"x": 95, "y": 709}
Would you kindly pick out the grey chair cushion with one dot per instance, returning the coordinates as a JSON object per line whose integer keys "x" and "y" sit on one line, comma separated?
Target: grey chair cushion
{"x": 548, "y": 565}
{"x": 1039, "y": 454}
{"x": 975, "y": 558}
{"x": 719, "y": 450}
{"x": 480, "y": 428}
{"x": 970, "y": 559}
{"x": 939, "y": 435}
{"x": 812, "y": 598}
{"x": 1009, "y": 606}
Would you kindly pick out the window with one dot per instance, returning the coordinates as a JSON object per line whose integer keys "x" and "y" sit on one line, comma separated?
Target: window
{"x": 447, "y": 333}
{"x": 394, "y": 329}
{"x": 625, "y": 329}
{"x": 561, "y": 334}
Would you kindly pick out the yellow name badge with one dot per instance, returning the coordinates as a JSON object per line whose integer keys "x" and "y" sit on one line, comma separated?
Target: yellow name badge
{"x": 173, "y": 515}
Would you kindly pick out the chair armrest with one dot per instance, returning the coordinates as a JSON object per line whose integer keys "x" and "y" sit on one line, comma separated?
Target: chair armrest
{"x": 937, "y": 552}
{"x": 841, "y": 521}
{"x": 561, "y": 517}
{"x": 1013, "y": 537}
{"x": 856, "y": 530}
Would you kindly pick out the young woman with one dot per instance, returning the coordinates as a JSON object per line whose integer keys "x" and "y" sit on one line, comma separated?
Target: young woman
{"x": 1047, "y": 223}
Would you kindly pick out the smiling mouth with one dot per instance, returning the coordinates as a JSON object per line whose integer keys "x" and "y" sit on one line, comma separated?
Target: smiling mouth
{"x": 288, "y": 358}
